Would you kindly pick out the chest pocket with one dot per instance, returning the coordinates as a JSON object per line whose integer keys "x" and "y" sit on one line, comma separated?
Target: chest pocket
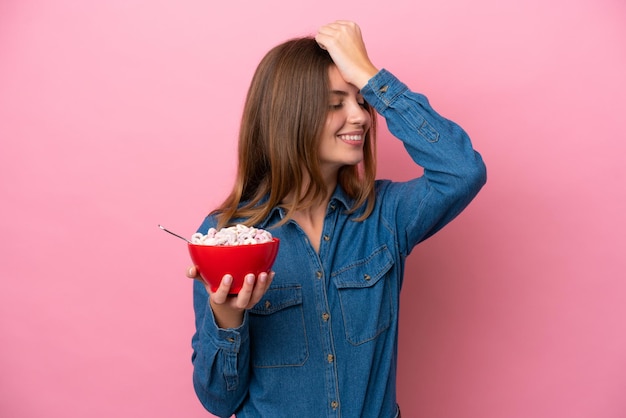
{"x": 365, "y": 296}
{"x": 277, "y": 332}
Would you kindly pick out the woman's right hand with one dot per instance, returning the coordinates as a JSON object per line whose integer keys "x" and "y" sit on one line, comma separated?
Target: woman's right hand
{"x": 228, "y": 309}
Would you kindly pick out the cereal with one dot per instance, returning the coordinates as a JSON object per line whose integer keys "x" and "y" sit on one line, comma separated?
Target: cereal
{"x": 233, "y": 235}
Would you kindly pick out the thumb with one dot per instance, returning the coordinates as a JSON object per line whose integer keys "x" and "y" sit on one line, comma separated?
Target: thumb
{"x": 191, "y": 272}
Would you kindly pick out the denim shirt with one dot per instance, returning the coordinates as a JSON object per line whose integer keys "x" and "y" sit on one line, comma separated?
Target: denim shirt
{"x": 322, "y": 342}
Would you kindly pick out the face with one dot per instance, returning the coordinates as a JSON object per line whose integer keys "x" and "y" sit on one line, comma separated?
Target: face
{"x": 347, "y": 123}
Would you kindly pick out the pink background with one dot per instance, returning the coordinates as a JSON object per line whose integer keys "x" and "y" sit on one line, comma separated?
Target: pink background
{"x": 117, "y": 116}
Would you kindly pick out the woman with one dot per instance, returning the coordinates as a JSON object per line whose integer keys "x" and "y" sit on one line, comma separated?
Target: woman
{"x": 317, "y": 336}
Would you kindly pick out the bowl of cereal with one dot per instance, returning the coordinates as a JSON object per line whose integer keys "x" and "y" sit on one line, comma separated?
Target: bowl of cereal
{"x": 237, "y": 250}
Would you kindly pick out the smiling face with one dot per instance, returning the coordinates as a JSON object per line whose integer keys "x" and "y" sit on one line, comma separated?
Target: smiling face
{"x": 347, "y": 122}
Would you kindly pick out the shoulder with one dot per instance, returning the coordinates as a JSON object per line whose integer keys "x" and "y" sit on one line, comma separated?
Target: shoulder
{"x": 210, "y": 221}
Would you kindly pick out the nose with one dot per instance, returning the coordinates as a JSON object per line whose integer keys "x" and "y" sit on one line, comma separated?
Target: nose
{"x": 358, "y": 115}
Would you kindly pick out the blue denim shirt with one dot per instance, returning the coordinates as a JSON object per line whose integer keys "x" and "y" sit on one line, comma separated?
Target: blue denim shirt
{"x": 323, "y": 340}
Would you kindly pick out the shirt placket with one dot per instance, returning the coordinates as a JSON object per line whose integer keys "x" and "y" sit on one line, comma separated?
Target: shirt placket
{"x": 324, "y": 312}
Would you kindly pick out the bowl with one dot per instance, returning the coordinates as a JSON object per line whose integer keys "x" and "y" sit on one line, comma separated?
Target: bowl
{"x": 214, "y": 261}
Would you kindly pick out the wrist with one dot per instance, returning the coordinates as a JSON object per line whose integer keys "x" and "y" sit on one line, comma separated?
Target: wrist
{"x": 365, "y": 76}
{"x": 226, "y": 316}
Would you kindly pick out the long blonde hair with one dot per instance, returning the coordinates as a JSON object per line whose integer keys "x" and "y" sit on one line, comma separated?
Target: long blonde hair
{"x": 283, "y": 117}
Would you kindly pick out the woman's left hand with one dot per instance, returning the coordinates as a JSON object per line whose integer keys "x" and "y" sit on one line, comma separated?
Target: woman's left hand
{"x": 344, "y": 42}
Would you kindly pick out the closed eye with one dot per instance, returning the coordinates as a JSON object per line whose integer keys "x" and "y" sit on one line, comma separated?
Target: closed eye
{"x": 342, "y": 94}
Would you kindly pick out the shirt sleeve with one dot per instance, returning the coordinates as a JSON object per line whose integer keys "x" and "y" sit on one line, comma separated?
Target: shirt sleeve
{"x": 453, "y": 171}
{"x": 220, "y": 356}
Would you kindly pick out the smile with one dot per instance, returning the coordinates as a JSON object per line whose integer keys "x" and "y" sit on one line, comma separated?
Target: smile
{"x": 351, "y": 137}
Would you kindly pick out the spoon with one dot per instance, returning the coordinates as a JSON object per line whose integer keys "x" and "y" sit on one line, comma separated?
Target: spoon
{"x": 176, "y": 235}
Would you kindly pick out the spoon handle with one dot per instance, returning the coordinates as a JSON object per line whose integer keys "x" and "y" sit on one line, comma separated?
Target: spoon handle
{"x": 176, "y": 235}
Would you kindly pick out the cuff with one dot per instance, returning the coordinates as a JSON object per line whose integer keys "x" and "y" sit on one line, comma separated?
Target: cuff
{"x": 229, "y": 339}
{"x": 382, "y": 90}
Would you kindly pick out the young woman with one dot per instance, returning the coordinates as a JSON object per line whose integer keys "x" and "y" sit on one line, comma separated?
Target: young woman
{"x": 317, "y": 337}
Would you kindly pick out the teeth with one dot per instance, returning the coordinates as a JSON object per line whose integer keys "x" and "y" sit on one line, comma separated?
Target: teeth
{"x": 352, "y": 137}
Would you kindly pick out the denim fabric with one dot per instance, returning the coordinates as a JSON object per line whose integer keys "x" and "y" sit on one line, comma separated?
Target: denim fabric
{"x": 323, "y": 340}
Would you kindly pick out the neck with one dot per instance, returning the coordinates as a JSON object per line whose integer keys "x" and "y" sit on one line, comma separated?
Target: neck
{"x": 310, "y": 218}
{"x": 330, "y": 182}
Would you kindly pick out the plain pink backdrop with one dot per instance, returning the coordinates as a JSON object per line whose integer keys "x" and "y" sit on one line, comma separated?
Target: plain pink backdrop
{"x": 117, "y": 116}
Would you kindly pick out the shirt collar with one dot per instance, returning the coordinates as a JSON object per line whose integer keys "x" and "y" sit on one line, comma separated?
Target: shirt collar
{"x": 339, "y": 197}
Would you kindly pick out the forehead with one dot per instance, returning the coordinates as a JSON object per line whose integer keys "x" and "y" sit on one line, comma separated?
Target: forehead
{"x": 337, "y": 84}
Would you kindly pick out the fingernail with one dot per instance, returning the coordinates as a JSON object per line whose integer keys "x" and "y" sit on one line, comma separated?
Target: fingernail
{"x": 228, "y": 279}
{"x": 250, "y": 278}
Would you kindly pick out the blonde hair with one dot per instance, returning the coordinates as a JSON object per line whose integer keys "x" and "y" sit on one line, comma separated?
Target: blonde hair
{"x": 283, "y": 117}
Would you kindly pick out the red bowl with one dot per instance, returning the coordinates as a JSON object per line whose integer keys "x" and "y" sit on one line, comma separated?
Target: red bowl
{"x": 214, "y": 261}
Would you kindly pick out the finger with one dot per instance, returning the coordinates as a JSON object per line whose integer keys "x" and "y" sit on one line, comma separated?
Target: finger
{"x": 192, "y": 272}
{"x": 269, "y": 278}
{"x": 263, "y": 283}
{"x": 243, "y": 298}
{"x": 327, "y": 34}
{"x": 221, "y": 294}
{"x": 339, "y": 28}
{"x": 321, "y": 40}
{"x": 347, "y": 25}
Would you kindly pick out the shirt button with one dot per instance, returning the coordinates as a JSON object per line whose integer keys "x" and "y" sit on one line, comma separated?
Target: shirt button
{"x": 325, "y": 316}
{"x": 268, "y": 304}
{"x": 367, "y": 276}
{"x": 326, "y": 238}
{"x": 318, "y": 274}
{"x": 334, "y": 404}
{"x": 330, "y": 358}
{"x": 230, "y": 339}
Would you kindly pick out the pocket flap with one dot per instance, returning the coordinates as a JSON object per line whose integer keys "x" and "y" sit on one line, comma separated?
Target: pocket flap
{"x": 365, "y": 272}
{"x": 278, "y": 298}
